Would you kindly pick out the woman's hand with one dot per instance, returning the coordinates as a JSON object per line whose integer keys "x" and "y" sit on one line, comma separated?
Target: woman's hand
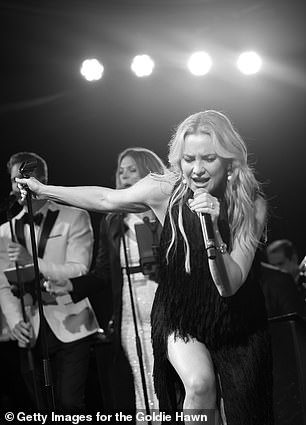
{"x": 204, "y": 202}
{"x": 33, "y": 184}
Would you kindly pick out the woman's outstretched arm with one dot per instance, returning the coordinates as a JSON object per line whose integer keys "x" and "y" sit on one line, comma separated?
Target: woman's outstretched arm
{"x": 147, "y": 193}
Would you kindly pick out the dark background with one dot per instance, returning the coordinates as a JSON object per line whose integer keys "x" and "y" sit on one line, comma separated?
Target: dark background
{"x": 80, "y": 127}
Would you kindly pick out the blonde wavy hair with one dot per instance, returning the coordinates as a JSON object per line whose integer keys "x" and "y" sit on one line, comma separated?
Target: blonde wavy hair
{"x": 242, "y": 188}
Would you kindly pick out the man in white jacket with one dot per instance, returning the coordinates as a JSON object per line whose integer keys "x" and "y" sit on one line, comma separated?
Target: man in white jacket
{"x": 64, "y": 241}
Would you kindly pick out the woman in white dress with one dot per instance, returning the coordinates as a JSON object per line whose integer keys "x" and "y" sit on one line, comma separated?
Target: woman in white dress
{"x": 133, "y": 164}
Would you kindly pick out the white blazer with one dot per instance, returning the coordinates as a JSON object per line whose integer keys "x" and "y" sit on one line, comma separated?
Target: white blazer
{"x": 68, "y": 253}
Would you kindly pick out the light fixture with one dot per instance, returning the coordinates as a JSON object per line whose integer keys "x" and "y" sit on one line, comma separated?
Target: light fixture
{"x": 142, "y": 65}
{"x": 249, "y": 63}
{"x": 199, "y": 63}
{"x": 92, "y": 69}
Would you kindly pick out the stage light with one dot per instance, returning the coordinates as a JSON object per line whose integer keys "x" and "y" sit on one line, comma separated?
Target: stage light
{"x": 199, "y": 63}
{"x": 142, "y": 65}
{"x": 249, "y": 63}
{"x": 92, "y": 69}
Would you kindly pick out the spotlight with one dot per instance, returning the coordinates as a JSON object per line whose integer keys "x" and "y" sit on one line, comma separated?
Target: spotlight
{"x": 249, "y": 63}
{"x": 142, "y": 65}
{"x": 199, "y": 63}
{"x": 92, "y": 69}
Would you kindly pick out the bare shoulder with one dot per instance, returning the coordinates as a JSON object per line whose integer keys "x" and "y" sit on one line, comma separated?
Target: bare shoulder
{"x": 161, "y": 186}
{"x": 159, "y": 189}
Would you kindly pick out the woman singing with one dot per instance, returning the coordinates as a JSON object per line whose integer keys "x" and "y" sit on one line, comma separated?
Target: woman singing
{"x": 209, "y": 328}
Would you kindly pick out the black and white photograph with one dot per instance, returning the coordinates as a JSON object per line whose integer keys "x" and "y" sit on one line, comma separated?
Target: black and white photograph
{"x": 152, "y": 214}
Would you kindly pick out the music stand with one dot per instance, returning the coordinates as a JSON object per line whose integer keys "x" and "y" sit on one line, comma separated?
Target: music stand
{"x": 147, "y": 236}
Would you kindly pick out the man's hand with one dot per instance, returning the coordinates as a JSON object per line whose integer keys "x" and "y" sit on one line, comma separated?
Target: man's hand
{"x": 18, "y": 254}
{"x": 22, "y": 332}
{"x": 58, "y": 287}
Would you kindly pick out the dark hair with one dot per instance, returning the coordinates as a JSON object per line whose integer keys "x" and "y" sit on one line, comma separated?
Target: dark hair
{"x": 41, "y": 171}
{"x": 282, "y": 245}
{"x": 146, "y": 160}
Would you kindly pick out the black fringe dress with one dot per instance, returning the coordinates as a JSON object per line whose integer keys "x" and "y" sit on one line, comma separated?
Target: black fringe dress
{"x": 234, "y": 329}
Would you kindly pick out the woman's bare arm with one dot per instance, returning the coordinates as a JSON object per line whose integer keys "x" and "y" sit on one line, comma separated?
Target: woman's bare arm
{"x": 147, "y": 193}
{"x": 230, "y": 271}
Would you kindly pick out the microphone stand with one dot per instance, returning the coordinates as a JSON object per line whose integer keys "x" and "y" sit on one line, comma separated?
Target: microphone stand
{"x": 25, "y": 170}
{"x": 137, "y": 339}
{"x": 20, "y": 284}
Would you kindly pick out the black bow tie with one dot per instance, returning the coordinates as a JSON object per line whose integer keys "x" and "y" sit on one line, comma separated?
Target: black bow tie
{"x": 37, "y": 218}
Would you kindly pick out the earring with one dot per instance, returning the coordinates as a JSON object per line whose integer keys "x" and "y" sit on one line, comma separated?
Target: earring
{"x": 184, "y": 181}
{"x": 229, "y": 176}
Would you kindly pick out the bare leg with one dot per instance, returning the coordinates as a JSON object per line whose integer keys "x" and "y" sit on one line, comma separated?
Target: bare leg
{"x": 193, "y": 363}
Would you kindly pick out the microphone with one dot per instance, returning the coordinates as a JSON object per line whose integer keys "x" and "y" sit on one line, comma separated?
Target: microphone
{"x": 208, "y": 232}
{"x": 27, "y": 167}
{"x": 302, "y": 265}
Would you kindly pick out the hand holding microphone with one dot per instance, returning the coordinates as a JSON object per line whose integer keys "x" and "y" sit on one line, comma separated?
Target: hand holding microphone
{"x": 206, "y": 206}
{"x": 25, "y": 182}
{"x": 32, "y": 184}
